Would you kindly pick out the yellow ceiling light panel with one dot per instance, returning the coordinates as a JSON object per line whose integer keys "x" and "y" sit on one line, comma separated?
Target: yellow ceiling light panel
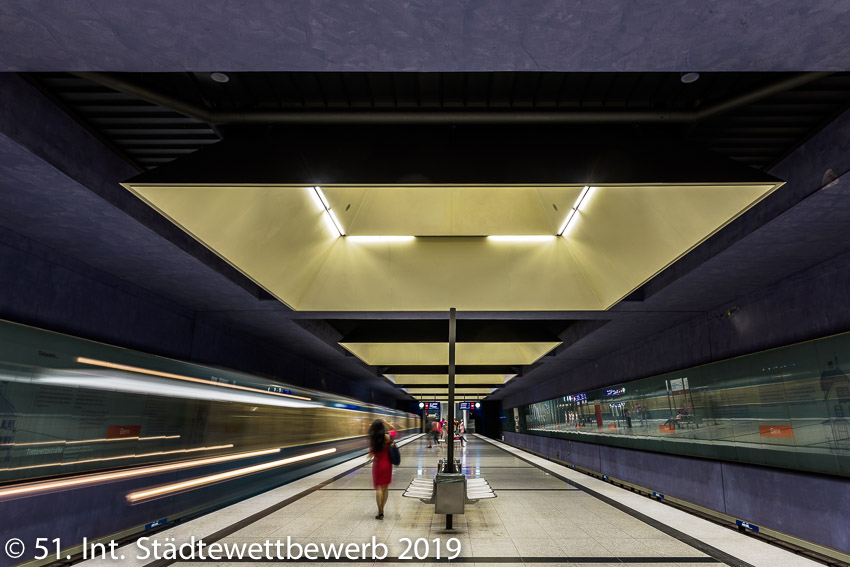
{"x": 245, "y": 226}
{"x": 623, "y": 236}
{"x": 458, "y": 393}
{"x": 435, "y": 274}
{"x": 500, "y": 211}
{"x": 397, "y": 211}
{"x": 502, "y": 353}
{"x": 443, "y": 379}
{"x": 281, "y": 237}
{"x": 399, "y": 354}
{"x": 406, "y": 354}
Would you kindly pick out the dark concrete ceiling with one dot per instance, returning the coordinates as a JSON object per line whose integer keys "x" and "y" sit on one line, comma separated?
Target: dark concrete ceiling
{"x": 386, "y": 35}
{"x": 753, "y": 118}
{"x": 69, "y": 202}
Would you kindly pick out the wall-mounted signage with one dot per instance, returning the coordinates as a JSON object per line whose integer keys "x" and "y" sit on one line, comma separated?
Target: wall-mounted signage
{"x": 156, "y": 524}
{"x": 747, "y": 525}
{"x": 431, "y": 405}
{"x": 119, "y": 431}
{"x": 469, "y": 405}
{"x": 615, "y": 392}
{"x": 577, "y": 398}
{"x": 678, "y": 385}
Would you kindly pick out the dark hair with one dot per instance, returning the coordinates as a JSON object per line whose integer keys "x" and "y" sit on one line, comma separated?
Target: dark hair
{"x": 376, "y": 435}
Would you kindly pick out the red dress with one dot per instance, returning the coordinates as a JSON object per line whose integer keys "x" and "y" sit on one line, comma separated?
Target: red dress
{"x": 382, "y": 468}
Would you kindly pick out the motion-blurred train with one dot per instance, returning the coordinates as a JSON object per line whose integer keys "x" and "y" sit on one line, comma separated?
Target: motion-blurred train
{"x": 99, "y": 441}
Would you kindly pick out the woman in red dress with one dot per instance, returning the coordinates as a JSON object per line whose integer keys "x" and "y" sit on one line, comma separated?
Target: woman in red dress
{"x": 382, "y": 468}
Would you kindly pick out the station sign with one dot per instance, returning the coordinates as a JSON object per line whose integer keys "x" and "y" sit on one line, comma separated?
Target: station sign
{"x": 469, "y": 405}
{"x": 429, "y": 405}
{"x": 615, "y": 392}
{"x": 156, "y": 524}
{"x": 577, "y": 398}
{"x": 279, "y": 390}
{"x": 747, "y": 526}
{"x": 678, "y": 386}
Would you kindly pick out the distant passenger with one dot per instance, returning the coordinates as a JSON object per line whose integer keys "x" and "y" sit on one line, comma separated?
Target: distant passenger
{"x": 461, "y": 430}
{"x": 382, "y": 468}
{"x": 434, "y": 434}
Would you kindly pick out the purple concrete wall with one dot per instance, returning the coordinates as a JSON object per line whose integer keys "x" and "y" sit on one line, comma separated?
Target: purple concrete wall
{"x": 808, "y": 506}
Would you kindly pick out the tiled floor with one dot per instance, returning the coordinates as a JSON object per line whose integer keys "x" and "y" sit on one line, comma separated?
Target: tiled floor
{"x": 536, "y": 519}
{"x": 535, "y": 516}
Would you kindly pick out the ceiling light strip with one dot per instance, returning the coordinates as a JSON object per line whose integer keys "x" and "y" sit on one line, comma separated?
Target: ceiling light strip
{"x": 381, "y": 238}
{"x": 95, "y": 478}
{"x": 328, "y": 210}
{"x": 116, "y": 366}
{"x": 574, "y": 210}
{"x": 211, "y": 479}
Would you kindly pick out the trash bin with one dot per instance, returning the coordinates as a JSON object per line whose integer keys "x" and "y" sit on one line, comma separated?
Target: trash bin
{"x": 449, "y": 493}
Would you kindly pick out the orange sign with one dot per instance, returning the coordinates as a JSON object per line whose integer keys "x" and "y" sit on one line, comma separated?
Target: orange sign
{"x": 667, "y": 428}
{"x": 776, "y": 431}
{"x": 118, "y": 431}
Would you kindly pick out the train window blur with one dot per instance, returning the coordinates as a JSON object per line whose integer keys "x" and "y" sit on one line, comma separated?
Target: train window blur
{"x": 787, "y": 407}
{"x": 60, "y": 417}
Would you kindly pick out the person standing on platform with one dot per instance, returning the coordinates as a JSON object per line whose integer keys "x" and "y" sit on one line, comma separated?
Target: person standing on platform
{"x": 433, "y": 435}
{"x": 382, "y": 468}
{"x": 461, "y": 429}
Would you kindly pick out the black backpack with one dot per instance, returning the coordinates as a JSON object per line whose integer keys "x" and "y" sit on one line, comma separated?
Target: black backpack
{"x": 395, "y": 455}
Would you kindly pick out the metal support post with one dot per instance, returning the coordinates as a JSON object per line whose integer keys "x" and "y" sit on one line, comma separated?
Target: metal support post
{"x": 450, "y": 438}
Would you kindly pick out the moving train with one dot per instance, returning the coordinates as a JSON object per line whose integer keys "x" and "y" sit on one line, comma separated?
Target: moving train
{"x": 102, "y": 442}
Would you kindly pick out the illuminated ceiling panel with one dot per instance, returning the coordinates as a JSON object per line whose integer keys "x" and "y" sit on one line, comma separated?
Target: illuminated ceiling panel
{"x": 404, "y": 354}
{"x": 458, "y": 394}
{"x": 460, "y": 379}
{"x": 620, "y": 238}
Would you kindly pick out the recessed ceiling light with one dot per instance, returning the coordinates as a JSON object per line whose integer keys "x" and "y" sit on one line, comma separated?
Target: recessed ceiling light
{"x": 688, "y": 78}
{"x": 219, "y": 77}
{"x": 381, "y": 238}
{"x": 521, "y": 238}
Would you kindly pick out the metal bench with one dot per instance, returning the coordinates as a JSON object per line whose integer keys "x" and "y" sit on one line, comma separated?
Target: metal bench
{"x": 449, "y": 492}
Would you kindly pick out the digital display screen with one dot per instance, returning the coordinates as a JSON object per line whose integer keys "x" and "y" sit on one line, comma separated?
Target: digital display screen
{"x": 469, "y": 405}
{"x": 432, "y": 405}
{"x": 615, "y": 392}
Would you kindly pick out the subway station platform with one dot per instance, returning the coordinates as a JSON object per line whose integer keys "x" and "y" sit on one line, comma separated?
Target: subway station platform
{"x": 544, "y": 514}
